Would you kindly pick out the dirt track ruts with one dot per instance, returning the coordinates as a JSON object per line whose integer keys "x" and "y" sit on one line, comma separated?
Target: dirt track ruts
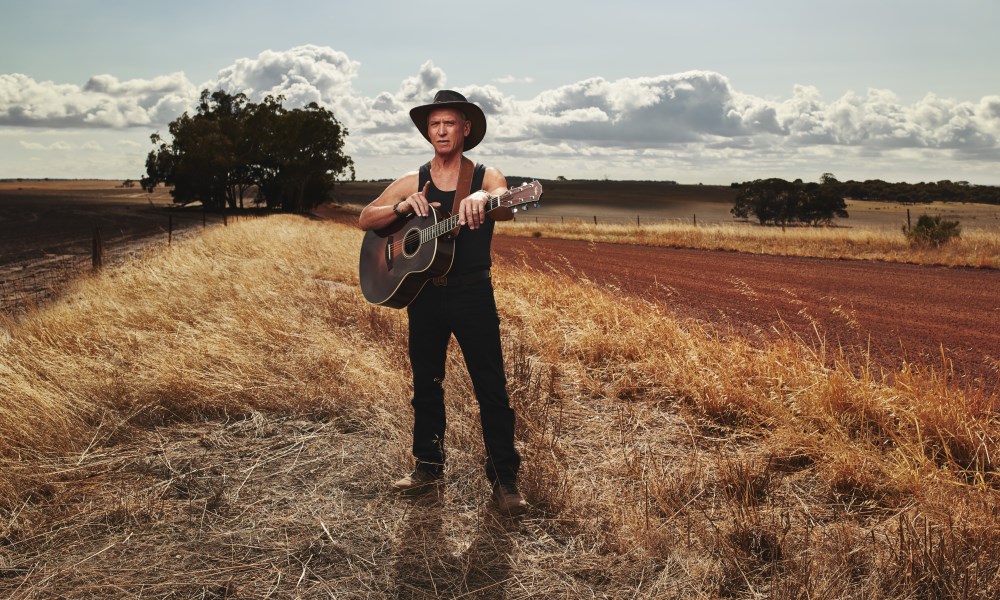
{"x": 899, "y": 311}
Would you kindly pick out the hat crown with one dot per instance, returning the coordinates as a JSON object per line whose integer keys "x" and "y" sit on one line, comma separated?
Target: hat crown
{"x": 448, "y": 96}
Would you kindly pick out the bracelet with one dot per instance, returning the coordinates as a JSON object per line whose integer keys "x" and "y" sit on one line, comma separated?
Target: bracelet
{"x": 395, "y": 209}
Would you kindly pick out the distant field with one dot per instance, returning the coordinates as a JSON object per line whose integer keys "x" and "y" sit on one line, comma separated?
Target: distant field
{"x": 622, "y": 201}
{"x": 46, "y": 218}
{"x": 893, "y": 214}
{"x": 45, "y": 213}
{"x": 47, "y": 227}
{"x": 47, "y": 231}
{"x": 612, "y": 200}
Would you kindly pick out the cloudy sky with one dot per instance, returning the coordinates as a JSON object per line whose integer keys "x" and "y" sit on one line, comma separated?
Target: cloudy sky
{"x": 712, "y": 91}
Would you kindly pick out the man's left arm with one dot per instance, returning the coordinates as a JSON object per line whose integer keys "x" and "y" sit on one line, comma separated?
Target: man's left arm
{"x": 472, "y": 209}
{"x": 496, "y": 183}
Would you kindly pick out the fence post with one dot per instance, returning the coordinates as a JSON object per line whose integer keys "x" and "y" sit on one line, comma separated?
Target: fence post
{"x": 595, "y": 219}
{"x": 695, "y": 219}
{"x": 908, "y": 228}
{"x": 97, "y": 255}
{"x": 225, "y": 219}
{"x": 170, "y": 230}
{"x": 637, "y": 220}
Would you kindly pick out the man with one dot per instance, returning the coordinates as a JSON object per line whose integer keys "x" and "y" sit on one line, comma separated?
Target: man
{"x": 461, "y": 303}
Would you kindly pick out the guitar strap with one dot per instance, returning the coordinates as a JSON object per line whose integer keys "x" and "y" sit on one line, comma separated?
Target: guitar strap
{"x": 463, "y": 189}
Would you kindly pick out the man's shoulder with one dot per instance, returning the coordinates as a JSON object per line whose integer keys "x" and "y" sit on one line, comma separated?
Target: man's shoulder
{"x": 493, "y": 178}
{"x": 401, "y": 188}
{"x": 408, "y": 179}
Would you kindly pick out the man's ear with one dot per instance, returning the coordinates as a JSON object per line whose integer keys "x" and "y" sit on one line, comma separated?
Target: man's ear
{"x": 468, "y": 127}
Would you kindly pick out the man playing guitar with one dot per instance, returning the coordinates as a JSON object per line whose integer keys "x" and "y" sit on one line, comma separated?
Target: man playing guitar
{"x": 460, "y": 303}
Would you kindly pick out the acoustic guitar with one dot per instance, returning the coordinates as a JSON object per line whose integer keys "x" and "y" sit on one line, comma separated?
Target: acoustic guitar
{"x": 398, "y": 260}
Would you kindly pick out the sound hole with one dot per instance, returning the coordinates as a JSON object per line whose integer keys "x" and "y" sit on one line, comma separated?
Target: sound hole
{"x": 411, "y": 243}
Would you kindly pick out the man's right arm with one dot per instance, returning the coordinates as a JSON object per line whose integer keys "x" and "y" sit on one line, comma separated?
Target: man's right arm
{"x": 402, "y": 195}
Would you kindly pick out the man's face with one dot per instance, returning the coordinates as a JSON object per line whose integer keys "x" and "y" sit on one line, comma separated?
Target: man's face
{"x": 447, "y": 128}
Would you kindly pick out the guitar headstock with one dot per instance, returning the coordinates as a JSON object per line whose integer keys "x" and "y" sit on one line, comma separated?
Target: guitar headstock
{"x": 528, "y": 193}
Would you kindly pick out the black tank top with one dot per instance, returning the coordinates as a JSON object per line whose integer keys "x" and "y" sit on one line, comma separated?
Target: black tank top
{"x": 472, "y": 247}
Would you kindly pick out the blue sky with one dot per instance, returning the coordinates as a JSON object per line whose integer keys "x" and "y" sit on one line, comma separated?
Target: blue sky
{"x": 711, "y": 91}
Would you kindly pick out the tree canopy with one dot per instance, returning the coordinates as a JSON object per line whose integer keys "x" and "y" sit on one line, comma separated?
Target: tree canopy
{"x": 779, "y": 202}
{"x": 931, "y": 191}
{"x": 291, "y": 158}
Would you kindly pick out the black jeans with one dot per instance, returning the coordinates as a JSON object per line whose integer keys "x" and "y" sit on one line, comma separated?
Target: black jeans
{"x": 470, "y": 313}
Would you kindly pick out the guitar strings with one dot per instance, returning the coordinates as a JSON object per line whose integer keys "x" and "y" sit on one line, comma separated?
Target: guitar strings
{"x": 397, "y": 245}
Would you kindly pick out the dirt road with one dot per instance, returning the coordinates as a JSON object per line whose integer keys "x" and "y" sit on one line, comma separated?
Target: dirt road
{"x": 899, "y": 311}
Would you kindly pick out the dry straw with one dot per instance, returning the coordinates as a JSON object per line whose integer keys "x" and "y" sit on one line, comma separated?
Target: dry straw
{"x": 221, "y": 420}
{"x": 975, "y": 248}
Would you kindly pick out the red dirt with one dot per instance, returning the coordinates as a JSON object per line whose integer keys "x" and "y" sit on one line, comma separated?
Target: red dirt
{"x": 901, "y": 312}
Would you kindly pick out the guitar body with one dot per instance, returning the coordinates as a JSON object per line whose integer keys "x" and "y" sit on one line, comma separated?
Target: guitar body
{"x": 396, "y": 262}
{"x": 395, "y": 265}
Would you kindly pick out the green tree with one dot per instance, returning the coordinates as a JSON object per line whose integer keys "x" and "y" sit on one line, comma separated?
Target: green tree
{"x": 770, "y": 200}
{"x": 779, "y": 202}
{"x": 821, "y": 203}
{"x": 206, "y": 160}
{"x": 232, "y": 146}
{"x": 300, "y": 154}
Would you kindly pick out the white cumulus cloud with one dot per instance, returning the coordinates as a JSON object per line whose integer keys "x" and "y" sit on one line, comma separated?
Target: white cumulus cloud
{"x": 510, "y": 79}
{"x": 101, "y": 102}
{"x": 302, "y": 75}
{"x": 679, "y": 120}
{"x": 59, "y": 146}
{"x": 646, "y": 112}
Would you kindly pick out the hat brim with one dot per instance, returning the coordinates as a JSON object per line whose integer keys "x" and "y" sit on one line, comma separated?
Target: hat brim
{"x": 472, "y": 112}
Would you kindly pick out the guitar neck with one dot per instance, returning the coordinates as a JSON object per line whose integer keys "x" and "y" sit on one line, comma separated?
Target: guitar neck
{"x": 442, "y": 227}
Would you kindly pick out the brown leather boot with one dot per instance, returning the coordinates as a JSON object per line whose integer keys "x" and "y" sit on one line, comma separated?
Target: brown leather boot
{"x": 417, "y": 482}
{"x": 508, "y": 499}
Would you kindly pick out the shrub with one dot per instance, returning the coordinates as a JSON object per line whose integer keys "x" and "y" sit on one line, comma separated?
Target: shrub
{"x": 932, "y": 231}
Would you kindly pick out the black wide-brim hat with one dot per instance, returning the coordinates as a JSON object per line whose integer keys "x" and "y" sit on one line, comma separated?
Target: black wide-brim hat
{"x": 452, "y": 99}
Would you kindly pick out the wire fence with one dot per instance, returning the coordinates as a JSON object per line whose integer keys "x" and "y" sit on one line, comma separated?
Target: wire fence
{"x": 41, "y": 268}
{"x": 637, "y": 220}
{"x": 39, "y": 271}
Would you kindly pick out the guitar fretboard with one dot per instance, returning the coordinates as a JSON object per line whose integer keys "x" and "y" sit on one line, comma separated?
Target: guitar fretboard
{"x": 442, "y": 227}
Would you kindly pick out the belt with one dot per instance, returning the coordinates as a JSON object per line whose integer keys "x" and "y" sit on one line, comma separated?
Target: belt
{"x": 466, "y": 279}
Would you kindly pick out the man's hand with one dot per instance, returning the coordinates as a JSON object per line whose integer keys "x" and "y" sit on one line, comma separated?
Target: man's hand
{"x": 472, "y": 210}
{"x": 417, "y": 203}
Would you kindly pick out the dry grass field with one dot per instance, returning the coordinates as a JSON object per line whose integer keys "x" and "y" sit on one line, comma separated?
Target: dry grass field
{"x": 222, "y": 418}
{"x": 978, "y": 248}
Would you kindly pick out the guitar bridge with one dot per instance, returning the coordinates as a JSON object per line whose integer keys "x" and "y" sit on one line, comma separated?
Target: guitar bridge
{"x": 388, "y": 254}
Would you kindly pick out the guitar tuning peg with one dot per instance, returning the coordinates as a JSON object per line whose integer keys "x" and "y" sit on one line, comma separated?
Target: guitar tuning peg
{"x": 514, "y": 210}
{"x": 536, "y": 205}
